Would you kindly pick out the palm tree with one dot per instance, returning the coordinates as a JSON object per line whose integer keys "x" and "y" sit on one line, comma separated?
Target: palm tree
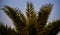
{"x": 33, "y": 23}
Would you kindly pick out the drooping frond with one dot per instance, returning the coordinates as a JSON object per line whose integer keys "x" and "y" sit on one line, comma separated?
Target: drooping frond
{"x": 17, "y": 17}
{"x": 51, "y": 29}
{"x": 43, "y": 15}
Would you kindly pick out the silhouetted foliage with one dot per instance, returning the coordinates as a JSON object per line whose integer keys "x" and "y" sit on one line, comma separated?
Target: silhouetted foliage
{"x": 5, "y": 30}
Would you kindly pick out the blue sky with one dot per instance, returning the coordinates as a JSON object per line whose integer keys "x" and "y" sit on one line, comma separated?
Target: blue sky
{"x": 21, "y": 4}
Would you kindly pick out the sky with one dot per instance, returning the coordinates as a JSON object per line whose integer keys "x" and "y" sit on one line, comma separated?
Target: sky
{"x": 21, "y": 5}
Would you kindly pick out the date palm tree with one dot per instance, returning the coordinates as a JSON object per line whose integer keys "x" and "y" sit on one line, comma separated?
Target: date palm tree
{"x": 33, "y": 23}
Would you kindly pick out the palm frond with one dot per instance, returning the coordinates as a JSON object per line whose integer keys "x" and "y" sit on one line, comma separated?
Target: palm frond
{"x": 31, "y": 18}
{"x": 30, "y": 12}
{"x": 43, "y": 15}
{"x": 17, "y": 17}
{"x": 51, "y": 29}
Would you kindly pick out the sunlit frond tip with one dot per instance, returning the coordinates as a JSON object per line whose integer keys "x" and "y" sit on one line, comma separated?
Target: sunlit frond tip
{"x": 46, "y": 8}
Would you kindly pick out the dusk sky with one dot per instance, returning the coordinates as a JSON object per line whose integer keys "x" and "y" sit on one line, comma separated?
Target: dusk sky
{"x": 21, "y": 5}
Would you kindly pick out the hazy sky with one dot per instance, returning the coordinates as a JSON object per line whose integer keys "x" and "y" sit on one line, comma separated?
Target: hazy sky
{"x": 21, "y": 4}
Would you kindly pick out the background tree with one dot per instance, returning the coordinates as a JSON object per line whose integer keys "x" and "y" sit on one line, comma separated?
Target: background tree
{"x": 5, "y": 30}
